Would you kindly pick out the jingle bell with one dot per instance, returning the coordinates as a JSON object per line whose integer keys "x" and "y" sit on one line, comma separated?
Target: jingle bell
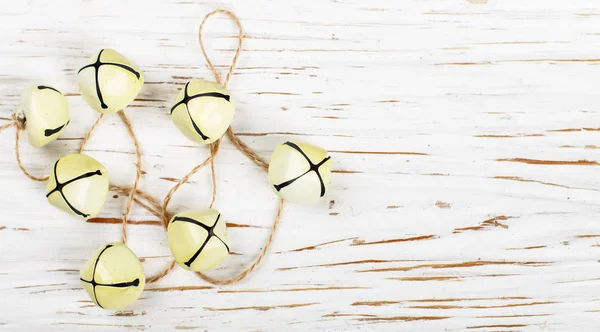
{"x": 113, "y": 277}
{"x": 203, "y": 111}
{"x": 78, "y": 184}
{"x": 299, "y": 172}
{"x": 47, "y": 113}
{"x": 109, "y": 82}
{"x": 198, "y": 239}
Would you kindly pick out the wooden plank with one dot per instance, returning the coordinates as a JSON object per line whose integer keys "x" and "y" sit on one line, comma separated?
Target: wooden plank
{"x": 463, "y": 134}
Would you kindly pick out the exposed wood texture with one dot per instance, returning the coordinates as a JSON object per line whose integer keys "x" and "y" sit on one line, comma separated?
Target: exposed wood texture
{"x": 464, "y": 139}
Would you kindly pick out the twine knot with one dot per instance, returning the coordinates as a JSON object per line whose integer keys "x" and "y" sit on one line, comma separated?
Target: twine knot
{"x": 19, "y": 121}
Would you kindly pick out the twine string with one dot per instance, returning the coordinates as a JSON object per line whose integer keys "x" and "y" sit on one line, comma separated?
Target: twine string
{"x": 153, "y": 206}
{"x": 214, "y": 149}
{"x": 138, "y": 166}
{"x": 246, "y": 150}
{"x": 10, "y": 124}
{"x": 138, "y": 174}
{"x": 243, "y": 274}
{"x": 88, "y": 136}
{"x": 19, "y": 123}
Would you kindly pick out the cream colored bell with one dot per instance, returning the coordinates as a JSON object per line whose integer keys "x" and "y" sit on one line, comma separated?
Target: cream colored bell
{"x": 109, "y": 82}
{"x": 78, "y": 184}
{"x": 46, "y": 113}
{"x": 113, "y": 277}
{"x": 299, "y": 172}
{"x": 198, "y": 239}
{"x": 203, "y": 111}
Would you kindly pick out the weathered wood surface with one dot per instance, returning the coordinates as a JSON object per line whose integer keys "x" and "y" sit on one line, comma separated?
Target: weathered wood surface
{"x": 465, "y": 141}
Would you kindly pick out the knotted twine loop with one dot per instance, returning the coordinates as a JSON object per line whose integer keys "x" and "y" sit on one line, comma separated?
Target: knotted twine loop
{"x": 214, "y": 148}
{"x": 138, "y": 167}
{"x": 238, "y": 50}
{"x": 19, "y": 123}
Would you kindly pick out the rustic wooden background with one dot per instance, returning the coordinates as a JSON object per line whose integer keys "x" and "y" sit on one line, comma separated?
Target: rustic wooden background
{"x": 464, "y": 135}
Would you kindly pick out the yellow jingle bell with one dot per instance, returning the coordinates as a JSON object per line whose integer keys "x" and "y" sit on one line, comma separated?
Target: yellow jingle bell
{"x": 78, "y": 184}
{"x": 113, "y": 277}
{"x": 109, "y": 82}
{"x": 198, "y": 239}
{"x": 203, "y": 111}
{"x": 299, "y": 172}
{"x": 47, "y": 113}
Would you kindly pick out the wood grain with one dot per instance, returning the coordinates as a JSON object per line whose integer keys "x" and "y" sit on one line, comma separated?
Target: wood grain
{"x": 464, "y": 136}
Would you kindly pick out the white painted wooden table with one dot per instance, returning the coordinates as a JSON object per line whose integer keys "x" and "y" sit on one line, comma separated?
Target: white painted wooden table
{"x": 465, "y": 141}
